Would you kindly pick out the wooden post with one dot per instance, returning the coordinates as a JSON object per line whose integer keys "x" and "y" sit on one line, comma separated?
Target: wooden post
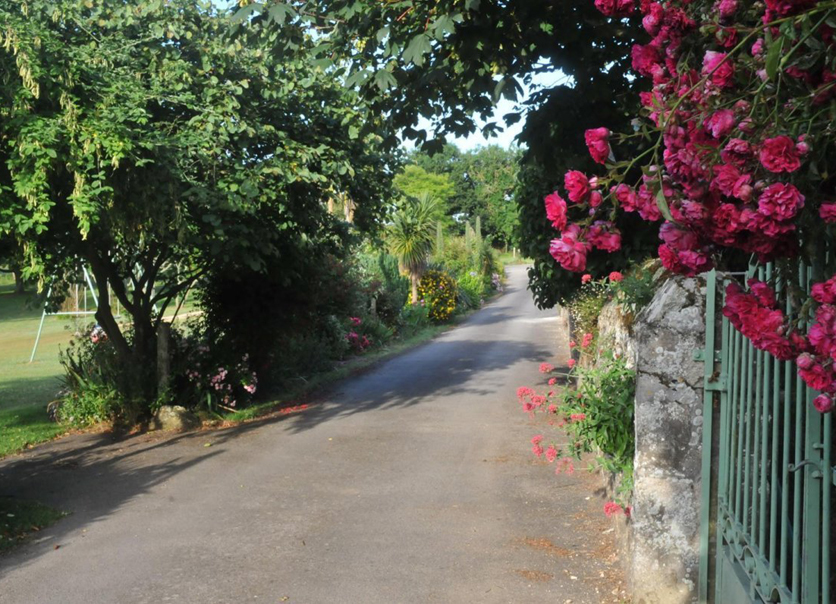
{"x": 163, "y": 356}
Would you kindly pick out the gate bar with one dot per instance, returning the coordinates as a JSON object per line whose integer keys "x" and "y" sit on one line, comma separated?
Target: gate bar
{"x": 707, "y": 420}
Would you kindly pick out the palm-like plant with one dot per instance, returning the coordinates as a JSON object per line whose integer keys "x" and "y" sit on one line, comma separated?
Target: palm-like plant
{"x": 411, "y": 236}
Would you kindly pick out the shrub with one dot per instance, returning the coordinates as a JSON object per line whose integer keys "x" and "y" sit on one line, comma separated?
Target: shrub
{"x": 585, "y": 307}
{"x": 91, "y": 382}
{"x": 471, "y": 290}
{"x": 597, "y": 417}
{"x": 439, "y": 292}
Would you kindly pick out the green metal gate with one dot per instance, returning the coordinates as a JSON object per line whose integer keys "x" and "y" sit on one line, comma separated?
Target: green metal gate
{"x": 767, "y": 472}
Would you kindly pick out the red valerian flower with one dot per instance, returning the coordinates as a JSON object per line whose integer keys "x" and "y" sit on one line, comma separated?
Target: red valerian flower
{"x": 611, "y": 508}
{"x": 780, "y": 201}
{"x": 587, "y": 340}
{"x": 546, "y": 368}
{"x": 556, "y": 210}
{"x": 779, "y": 154}
{"x": 577, "y": 184}
{"x": 597, "y": 140}
{"x": 586, "y": 278}
{"x": 718, "y": 68}
{"x": 551, "y": 454}
{"x": 615, "y": 277}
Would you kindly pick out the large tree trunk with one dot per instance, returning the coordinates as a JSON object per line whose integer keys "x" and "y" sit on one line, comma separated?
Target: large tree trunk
{"x": 20, "y": 284}
{"x": 414, "y": 278}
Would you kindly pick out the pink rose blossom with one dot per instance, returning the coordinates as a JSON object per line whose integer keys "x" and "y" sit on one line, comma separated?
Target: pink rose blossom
{"x": 718, "y": 68}
{"x": 827, "y": 212}
{"x": 556, "y": 210}
{"x": 823, "y": 403}
{"x": 597, "y": 141}
{"x": 577, "y": 184}
{"x": 780, "y": 201}
{"x": 779, "y": 154}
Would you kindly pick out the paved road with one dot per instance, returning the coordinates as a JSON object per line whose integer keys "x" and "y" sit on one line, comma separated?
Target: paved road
{"x": 410, "y": 483}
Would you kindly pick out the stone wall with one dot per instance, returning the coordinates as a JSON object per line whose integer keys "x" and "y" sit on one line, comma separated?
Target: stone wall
{"x": 662, "y": 536}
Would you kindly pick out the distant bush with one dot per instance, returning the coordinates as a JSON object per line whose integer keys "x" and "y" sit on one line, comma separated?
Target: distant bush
{"x": 438, "y": 290}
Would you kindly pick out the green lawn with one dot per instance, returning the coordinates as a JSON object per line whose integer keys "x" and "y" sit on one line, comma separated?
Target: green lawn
{"x": 26, "y": 388}
{"x": 508, "y": 258}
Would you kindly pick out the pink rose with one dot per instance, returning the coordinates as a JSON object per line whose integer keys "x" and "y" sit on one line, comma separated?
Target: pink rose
{"x": 727, "y": 8}
{"x": 626, "y": 196}
{"x": 720, "y": 123}
{"x": 779, "y": 154}
{"x": 569, "y": 251}
{"x": 646, "y": 59}
{"x": 737, "y": 151}
{"x": 615, "y": 8}
{"x": 652, "y": 19}
{"x": 825, "y": 292}
{"x": 720, "y": 70}
{"x": 556, "y": 210}
{"x": 604, "y": 236}
{"x": 597, "y": 140}
{"x": 827, "y": 211}
{"x": 780, "y": 201}
{"x": 577, "y": 184}
{"x": 823, "y": 403}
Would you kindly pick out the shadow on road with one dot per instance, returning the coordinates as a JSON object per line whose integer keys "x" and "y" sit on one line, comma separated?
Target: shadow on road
{"x": 93, "y": 475}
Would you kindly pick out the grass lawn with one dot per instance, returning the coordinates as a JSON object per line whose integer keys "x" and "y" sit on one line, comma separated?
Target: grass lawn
{"x": 26, "y": 388}
{"x": 509, "y": 258}
{"x": 19, "y": 519}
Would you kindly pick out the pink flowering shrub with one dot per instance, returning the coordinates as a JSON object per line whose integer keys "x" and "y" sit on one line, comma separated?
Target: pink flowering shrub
{"x": 595, "y": 416}
{"x": 732, "y": 157}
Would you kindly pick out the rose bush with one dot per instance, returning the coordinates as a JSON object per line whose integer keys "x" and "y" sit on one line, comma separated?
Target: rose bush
{"x": 734, "y": 161}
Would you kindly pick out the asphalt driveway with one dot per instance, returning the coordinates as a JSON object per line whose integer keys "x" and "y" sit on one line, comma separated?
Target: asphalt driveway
{"x": 412, "y": 482}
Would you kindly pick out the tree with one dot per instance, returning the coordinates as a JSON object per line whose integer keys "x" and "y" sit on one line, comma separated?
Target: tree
{"x": 414, "y": 181}
{"x": 450, "y": 61}
{"x": 412, "y": 236}
{"x": 154, "y": 144}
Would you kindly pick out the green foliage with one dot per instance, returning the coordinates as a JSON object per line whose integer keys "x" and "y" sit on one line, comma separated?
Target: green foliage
{"x": 414, "y": 317}
{"x": 585, "y": 307}
{"x": 438, "y": 292}
{"x": 388, "y": 288}
{"x": 414, "y": 181}
{"x": 605, "y": 398}
{"x": 483, "y": 182}
{"x": 638, "y": 287}
{"x": 92, "y": 379}
{"x": 471, "y": 290}
{"x": 220, "y": 158}
{"x": 478, "y": 52}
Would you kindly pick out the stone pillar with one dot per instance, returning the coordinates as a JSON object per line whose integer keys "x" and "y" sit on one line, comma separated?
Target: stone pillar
{"x": 668, "y": 415}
